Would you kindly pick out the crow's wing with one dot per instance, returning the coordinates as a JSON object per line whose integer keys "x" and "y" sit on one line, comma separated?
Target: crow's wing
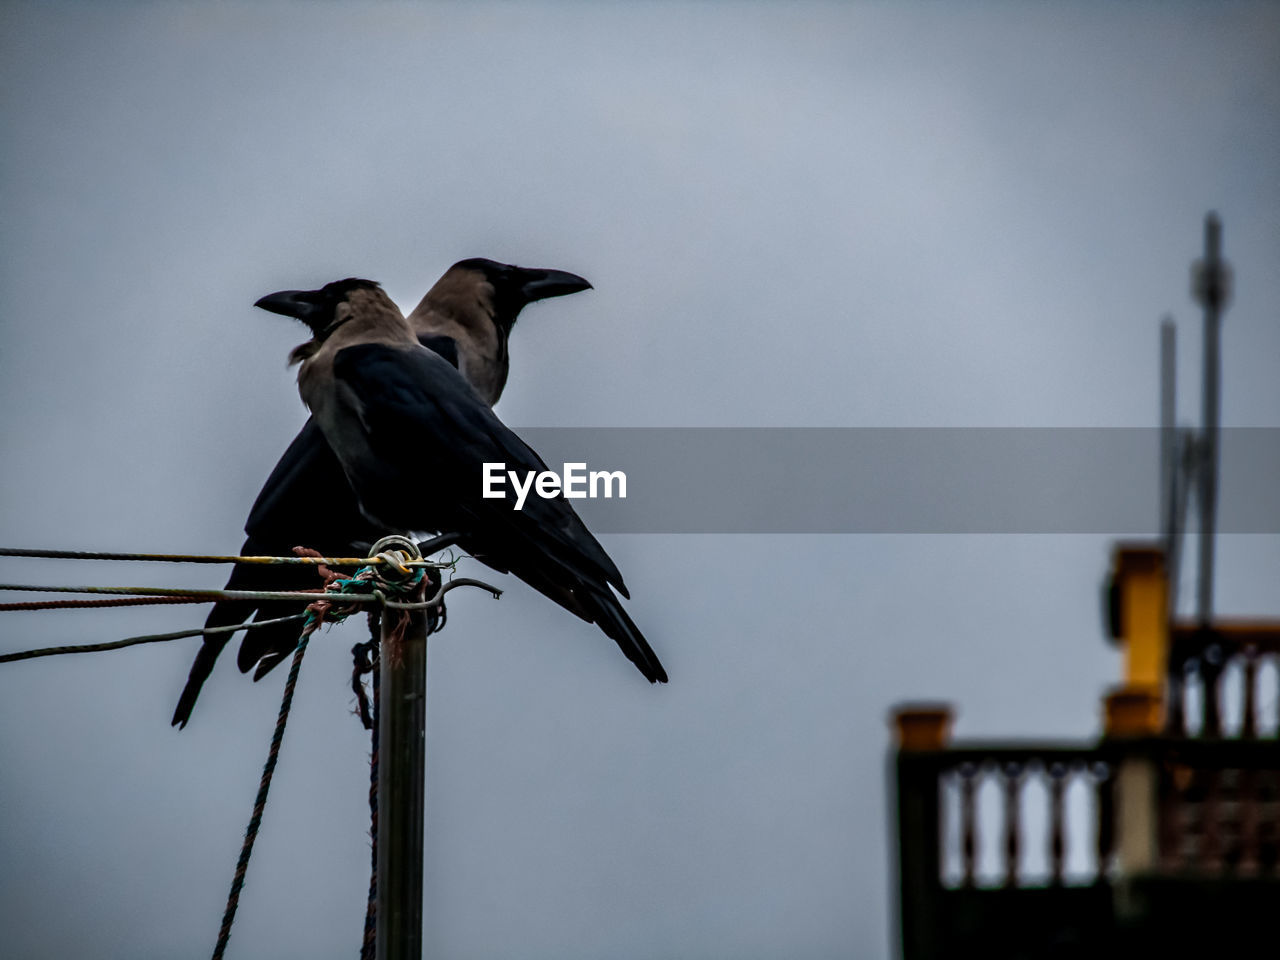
{"x": 426, "y": 438}
{"x": 306, "y": 501}
{"x": 413, "y": 437}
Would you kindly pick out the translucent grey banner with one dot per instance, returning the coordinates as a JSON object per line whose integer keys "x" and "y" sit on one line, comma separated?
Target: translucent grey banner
{"x": 903, "y": 480}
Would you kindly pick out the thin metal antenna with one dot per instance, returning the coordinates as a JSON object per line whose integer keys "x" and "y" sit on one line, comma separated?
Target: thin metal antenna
{"x": 1211, "y": 287}
{"x": 1170, "y": 455}
{"x": 1168, "y": 442}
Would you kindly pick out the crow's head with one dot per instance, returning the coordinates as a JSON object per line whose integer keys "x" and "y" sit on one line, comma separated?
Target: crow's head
{"x": 502, "y": 290}
{"x": 321, "y": 309}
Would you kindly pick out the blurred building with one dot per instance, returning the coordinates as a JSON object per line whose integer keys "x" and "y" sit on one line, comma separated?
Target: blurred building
{"x": 1160, "y": 839}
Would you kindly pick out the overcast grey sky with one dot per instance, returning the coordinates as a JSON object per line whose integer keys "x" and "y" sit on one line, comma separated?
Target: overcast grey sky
{"x": 793, "y": 215}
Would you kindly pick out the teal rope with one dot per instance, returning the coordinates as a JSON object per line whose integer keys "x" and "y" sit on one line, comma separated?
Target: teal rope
{"x": 362, "y": 584}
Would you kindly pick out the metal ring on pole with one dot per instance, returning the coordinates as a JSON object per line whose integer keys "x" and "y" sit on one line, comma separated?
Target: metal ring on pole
{"x": 388, "y": 547}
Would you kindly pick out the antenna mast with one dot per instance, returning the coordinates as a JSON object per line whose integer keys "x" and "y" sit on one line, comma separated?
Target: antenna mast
{"x": 1211, "y": 287}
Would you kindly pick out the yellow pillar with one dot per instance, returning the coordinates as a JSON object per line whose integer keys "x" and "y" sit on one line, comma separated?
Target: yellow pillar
{"x": 1141, "y": 592}
{"x": 1135, "y": 709}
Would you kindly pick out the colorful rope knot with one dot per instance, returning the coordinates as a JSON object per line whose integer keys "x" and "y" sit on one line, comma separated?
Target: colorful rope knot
{"x": 393, "y": 580}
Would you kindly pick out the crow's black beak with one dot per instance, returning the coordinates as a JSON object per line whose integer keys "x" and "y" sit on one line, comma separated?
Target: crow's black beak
{"x": 302, "y": 305}
{"x": 540, "y": 284}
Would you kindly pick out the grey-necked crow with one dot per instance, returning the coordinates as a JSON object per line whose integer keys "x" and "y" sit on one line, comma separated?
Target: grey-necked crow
{"x": 466, "y": 317}
{"x": 412, "y": 437}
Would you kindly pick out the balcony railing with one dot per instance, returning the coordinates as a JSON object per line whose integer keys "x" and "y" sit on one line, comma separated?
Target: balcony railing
{"x": 1224, "y": 680}
{"x": 1005, "y": 819}
{"x": 1006, "y": 845}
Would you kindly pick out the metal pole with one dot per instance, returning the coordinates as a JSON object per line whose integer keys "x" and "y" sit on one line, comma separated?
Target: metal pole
{"x": 1171, "y": 478}
{"x": 1168, "y": 440}
{"x": 401, "y": 765}
{"x": 1211, "y": 286}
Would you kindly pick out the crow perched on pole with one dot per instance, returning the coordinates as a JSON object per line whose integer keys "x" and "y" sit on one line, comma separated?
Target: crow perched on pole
{"x": 412, "y": 437}
{"x": 466, "y": 317}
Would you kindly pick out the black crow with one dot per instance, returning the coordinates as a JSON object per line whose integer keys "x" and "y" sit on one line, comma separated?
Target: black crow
{"x": 466, "y": 317}
{"x": 412, "y": 437}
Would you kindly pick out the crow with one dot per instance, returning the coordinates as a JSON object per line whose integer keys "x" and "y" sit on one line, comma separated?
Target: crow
{"x": 412, "y": 436}
{"x": 466, "y": 317}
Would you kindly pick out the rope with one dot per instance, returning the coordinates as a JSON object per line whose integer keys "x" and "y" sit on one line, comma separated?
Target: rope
{"x": 209, "y": 558}
{"x": 364, "y": 656}
{"x": 134, "y": 641}
{"x": 260, "y": 802}
{"x": 315, "y": 615}
{"x": 362, "y": 588}
{"x": 202, "y": 596}
{"x": 76, "y": 604}
{"x": 351, "y": 602}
